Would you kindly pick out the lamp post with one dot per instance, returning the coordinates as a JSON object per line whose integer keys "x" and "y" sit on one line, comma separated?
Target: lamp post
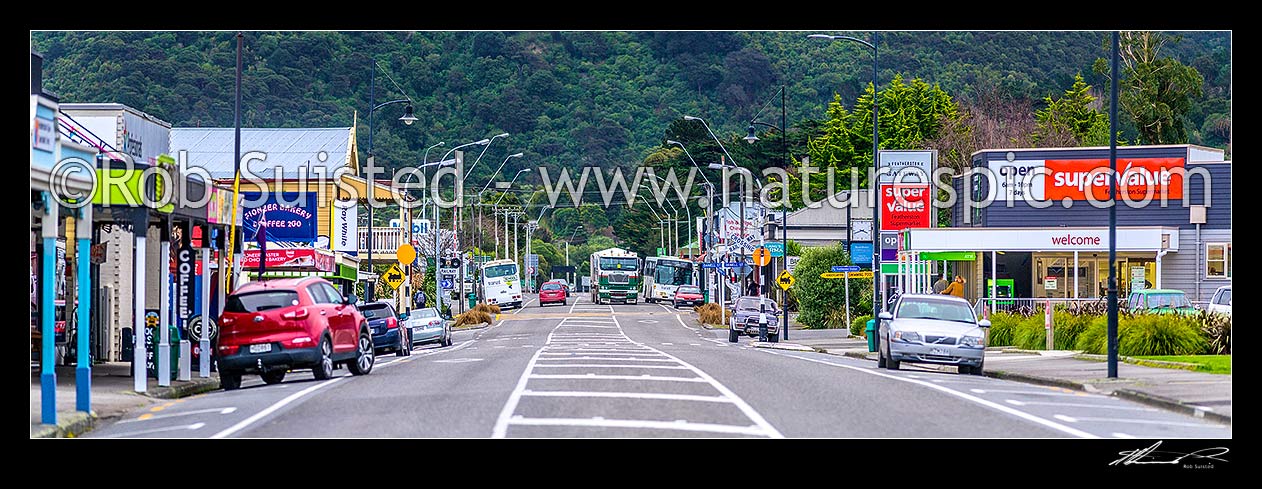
{"x": 407, "y": 119}
{"x": 481, "y": 233}
{"x": 784, "y": 211}
{"x": 709, "y": 197}
{"x": 469, "y": 170}
{"x": 717, "y": 166}
{"x": 496, "y": 205}
{"x": 438, "y": 230}
{"x": 872, "y": 186}
{"x": 675, "y": 222}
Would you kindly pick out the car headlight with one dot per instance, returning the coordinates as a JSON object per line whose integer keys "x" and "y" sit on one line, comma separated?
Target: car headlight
{"x": 970, "y": 341}
{"x": 907, "y": 336}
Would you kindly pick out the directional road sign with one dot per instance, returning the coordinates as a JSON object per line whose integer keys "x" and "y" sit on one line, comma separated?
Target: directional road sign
{"x": 845, "y": 268}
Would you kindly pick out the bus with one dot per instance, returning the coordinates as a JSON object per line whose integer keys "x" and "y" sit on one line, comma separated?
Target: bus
{"x": 664, "y": 274}
{"x": 615, "y": 274}
{"x": 500, "y": 283}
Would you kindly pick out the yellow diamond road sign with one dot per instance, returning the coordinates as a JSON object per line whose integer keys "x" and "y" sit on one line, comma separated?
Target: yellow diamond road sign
{"x": 393, "y": 277}
{"x": 785, "y": 280}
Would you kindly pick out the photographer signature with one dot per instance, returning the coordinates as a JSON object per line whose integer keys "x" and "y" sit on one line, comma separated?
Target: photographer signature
{"x": 1151, "y": 455}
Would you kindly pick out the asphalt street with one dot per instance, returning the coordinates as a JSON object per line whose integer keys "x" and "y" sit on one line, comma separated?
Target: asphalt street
{"x": 586, "y": 370}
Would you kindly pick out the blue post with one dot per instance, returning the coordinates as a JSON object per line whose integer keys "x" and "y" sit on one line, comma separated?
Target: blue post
{"x": 83, "y": 373}
{"x": 48, "y": 375}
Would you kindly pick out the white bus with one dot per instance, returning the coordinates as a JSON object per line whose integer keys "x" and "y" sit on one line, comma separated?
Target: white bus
{"x": 500, "y": 283}
{"x": 664, "y": 274}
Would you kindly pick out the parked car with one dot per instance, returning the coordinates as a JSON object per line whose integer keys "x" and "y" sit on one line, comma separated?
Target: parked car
{"x": 386, "y": 333}
{"x": 274, "y": 326}
{"x": 552, "y": 292}
{"x": 688, "y": 295}
{"x": 746, "y": 318}
{"x": 1221, "y": 302}
{"x": 426, "y": 326}
{"x": 932, "y": 328}
{"x": 1160, "y": 301}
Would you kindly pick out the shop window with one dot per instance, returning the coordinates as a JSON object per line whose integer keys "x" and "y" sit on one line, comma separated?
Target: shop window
{"x": 1218, "y": 260}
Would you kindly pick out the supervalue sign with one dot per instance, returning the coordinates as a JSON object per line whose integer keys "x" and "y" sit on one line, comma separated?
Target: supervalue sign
{"x": 905, "y": 206}
{"x": 1039, "y": 180}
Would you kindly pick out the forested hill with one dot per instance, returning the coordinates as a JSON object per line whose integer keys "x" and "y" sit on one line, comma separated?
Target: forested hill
{"x": 568, "y": 98}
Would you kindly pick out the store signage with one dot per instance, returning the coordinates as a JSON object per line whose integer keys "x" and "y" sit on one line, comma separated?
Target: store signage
{"x": 791, "y": 263}
{"x": 1049, "y": 283}
{"x": 775, "y": 247}
{"x": 345, "y": 227}
{"x": 291, "y": 216}
{"x": 1140, "y": 178}
{"x": 290, "y": 258}
{"x": 907, "y": 166}
{"x": 42, "y": 134}
{"x": 905, "y": 206}
{"x": 184, "y": 271}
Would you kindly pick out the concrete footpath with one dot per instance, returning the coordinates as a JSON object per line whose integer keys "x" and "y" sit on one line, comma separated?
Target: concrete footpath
{"x": 112, "y": 396}
{"x": 1199, "y": 394}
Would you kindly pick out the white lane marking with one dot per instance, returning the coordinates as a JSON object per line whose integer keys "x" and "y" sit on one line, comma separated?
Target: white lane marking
{"x": 501, "y": 424}
{"x": 190, "y": 427}
{"x": 1036, "y": 393}
{"x": 993, "y": 405}
{"x": 767, "y": 429}
{"x": 606, "y": 352}
{"x": 597, "y": 365}
{"x": 588, "y": 326}
{"x": 631, "y": 423}
{"x": 227, "y": 410}
{"x": 681, "y": 323}
{"x": 616, "y": 377}
{"x": 668, "y": 344}
{"x": 1073, "y": 404}
{"x": 523, "y": 306}
{"x": 1156, "y": 422}
{"x": 458, "y": 360}
{"x": 626, "y": 359}
{"x": 647, "y": 321}
{"x": 1122, "y": 435}
{"x": 1064, "y": 418}
{"x": 271, "y": 409}
{"x": 694, "y": 344}
{"x": 629, "y": 395}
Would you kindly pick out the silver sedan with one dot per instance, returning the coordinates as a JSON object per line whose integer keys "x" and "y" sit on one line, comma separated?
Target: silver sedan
{"x": 932, "y": 329}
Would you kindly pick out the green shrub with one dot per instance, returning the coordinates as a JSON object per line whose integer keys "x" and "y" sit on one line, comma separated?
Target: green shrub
{"x": 1216, "y": 329}
{"x": 1144, "y": 335}
{"x": 1068, "y": 326}
{"x": 835, "y": 319}
{"x": 859, "y": 326}
{"x": 1030, "y": 333}
{"x": 1001, "y": 325}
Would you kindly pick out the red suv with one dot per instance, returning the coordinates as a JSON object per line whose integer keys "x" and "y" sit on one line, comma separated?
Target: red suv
{"x": 551, "y": 293}
{"x": 271, "y": 327}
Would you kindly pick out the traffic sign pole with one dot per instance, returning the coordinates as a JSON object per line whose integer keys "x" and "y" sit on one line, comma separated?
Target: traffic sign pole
{"x": 847, "y": 299}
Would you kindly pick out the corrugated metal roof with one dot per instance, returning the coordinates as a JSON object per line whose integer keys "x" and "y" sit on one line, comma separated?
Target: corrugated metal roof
{"x": 289, "y": 148}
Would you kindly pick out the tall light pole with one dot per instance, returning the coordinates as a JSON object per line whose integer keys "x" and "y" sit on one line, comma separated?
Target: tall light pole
{"x": 481, "y": 232}
{"x": 709, "y": 215}
{"x": 784, "y": 211}
{"x": 407, "y": 119}
{"x": 873, "y": 186}
{"x": 1112, "y": 295}
{"x": 468, "y": 171}
{"x": 437, "y": 228}
{"x": 496, "y": 205}
{"x": 717, "y": 166}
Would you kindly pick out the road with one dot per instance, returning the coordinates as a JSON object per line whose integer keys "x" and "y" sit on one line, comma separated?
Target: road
{"x": 586, "y": 370}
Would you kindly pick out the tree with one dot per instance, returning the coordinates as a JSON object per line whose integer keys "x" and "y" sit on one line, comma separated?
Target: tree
{"x": 1155, "y": 91}
{"x": 817, "y": 296}
{"x": 1071, "y": 120}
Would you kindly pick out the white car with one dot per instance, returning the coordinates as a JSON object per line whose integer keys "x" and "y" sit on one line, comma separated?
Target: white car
{"x": 1221, "y": 303}
{"x": 932, "y": 328}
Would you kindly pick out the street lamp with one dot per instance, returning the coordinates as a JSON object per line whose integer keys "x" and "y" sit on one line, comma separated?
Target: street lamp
{"x": 686, "y": 210}
{"x": 872, "y": 186}
{"x": 496, "y": 205}
{"x": 481, "y": 232}
{"x": 437, "y": 228}
{"x": 709, "y": 198}
{"x": 751, "y": 138}
{"x": 407, "y": 119}
{"x": 469, "y": 170}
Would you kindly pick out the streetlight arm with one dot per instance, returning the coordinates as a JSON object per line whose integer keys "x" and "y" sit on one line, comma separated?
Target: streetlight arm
{"x": 694, "y": 162}
{"x": 383, "y": 104}
{"x": 479, "y": 158}
{"x": 773, "y": 126}
{"x": 716, "y": 138}
{"x": 847, "y": 38}
{"x": 497, "y": 172}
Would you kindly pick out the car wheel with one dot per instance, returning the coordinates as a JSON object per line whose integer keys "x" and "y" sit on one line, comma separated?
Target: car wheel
{"x": 363, "y": 362}
{"x": 733, "y": 336}
{"x": 324, "y": 368}
{"x": 965, "y": 369}
{"x": 229, "y": 380}
{"x": 274, "y": 377}
{"x": 892, "y": 364}
{"x": 880, "y": 357}
{"x": 405, "y": 346}
{"x": 978, "y": 370}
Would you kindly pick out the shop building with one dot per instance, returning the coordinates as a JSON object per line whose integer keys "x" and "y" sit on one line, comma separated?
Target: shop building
{"x": 1032, "y": 228}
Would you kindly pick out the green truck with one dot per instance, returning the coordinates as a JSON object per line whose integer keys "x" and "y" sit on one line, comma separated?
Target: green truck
{"x": 615, "y": 276}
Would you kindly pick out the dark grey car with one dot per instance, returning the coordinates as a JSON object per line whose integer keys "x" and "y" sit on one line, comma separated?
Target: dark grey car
{"x": 745, "y": 320}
